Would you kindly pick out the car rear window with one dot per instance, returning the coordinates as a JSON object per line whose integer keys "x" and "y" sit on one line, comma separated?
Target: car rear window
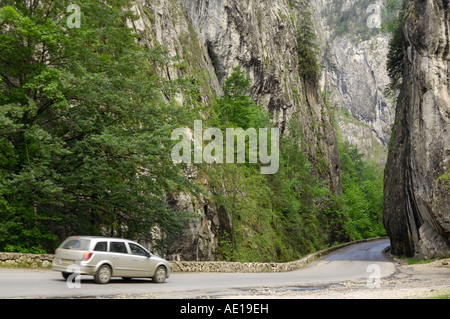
{"x": 76, "y": 244}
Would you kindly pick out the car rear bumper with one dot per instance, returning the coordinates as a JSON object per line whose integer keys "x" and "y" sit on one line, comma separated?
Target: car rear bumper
{"x": 74, "y": 268}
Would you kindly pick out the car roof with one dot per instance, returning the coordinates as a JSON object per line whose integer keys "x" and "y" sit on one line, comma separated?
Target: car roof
{"x": 99, "y": 237}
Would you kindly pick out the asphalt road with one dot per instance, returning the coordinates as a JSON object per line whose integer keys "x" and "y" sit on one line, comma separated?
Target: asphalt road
{"x": 354, "y": 263}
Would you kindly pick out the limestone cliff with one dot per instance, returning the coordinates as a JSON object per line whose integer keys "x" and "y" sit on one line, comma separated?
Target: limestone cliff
{"x": 355, "y": 76}
{"x": 213, "y": 36}
{"x": 359, "y": 75}
{"x": 261, "y": 37}
{"x": 417, "y": 179}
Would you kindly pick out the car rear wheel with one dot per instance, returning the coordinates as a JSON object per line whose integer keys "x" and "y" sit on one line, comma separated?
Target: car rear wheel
{"x": 103, "y": 274}
{"x": 160, "y": 275}
{"x": 65, "y": 275}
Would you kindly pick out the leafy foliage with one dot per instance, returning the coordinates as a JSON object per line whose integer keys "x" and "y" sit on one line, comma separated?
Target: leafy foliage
{"x": 299, "y": 195}
{"x": 362, "y": 198}
{"x": 396, "y": 54}
{"x": 85, "y": 137}
{"x": 275, "y": 217}
{"x": 83, "y": 127}
{"x": 235, "y": 109}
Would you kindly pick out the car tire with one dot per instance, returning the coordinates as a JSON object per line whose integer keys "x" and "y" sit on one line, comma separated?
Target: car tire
{"x": 103, "y": 274}
{"x": 160, "y": 275}
{"x": 65, "y": 275}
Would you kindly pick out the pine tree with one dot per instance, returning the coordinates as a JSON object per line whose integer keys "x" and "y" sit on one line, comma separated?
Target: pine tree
{"x": 308, "y": 50}
{"x": 396, "y": 54}
{"x": 235, "y": 108}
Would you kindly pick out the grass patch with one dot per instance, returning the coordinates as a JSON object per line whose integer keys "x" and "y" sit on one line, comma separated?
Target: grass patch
{"x": 412, "y": 261}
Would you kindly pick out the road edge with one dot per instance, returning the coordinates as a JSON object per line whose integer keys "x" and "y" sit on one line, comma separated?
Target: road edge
{"x": 36, "y": 261}
{"x": 255, "y": 267}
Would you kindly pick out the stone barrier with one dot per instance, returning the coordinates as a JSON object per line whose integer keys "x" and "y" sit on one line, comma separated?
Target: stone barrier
{"x": 45, "y": 261}
{"x": 26, "y": 260}
{"x": 250, "y": 267}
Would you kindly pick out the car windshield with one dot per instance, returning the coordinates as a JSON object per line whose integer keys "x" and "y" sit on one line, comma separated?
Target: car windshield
{"x": 76, "y": 244}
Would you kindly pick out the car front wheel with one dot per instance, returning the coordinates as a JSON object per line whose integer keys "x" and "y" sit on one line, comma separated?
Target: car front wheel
{"x": 103, "y": 275}
{"x": 160, "y": 275}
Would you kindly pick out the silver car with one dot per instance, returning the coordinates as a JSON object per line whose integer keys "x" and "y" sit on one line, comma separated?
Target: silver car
{"x": 104, "y": 258}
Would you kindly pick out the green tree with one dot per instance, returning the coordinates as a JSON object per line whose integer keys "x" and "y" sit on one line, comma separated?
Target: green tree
{"x": 235, "y": 109}
{"x": 362, "y": 197}
{"x": 298, "y": 192}
{"x": 239, "y": 188}
{"x": 396, "y": 53}
{"x": 307, "y": 49}
{"x": 84, "y": 131}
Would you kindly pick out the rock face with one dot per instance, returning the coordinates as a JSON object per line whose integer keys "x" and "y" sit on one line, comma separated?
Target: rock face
{"x": 417, "y": 179}
{"x": 261, "y": 37}
{"x": 359, "y": 74}
{"x": 212, "y": 37}
{"x": 200, "y": 240}
{"x": 355, "y": 76}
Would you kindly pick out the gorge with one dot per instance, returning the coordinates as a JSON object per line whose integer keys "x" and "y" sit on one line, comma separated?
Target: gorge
{"x": 416, "y": 200}
{"x": 261, "y": 38}
{"x": 362, "y": 109}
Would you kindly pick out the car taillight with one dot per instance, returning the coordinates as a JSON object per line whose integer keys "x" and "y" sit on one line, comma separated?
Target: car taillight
{"x": 87, "y": 256}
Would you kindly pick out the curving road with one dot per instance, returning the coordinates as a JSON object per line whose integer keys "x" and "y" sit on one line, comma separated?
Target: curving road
{"x": 353, "y": 263}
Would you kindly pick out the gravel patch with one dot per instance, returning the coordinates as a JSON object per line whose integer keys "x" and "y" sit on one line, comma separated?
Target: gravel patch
{"x": 417, "y": 281}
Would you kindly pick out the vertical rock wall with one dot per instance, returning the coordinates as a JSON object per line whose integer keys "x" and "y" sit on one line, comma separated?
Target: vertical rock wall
{"x": 261, "y": 37}
{"x": 212, "y": 37}
{"x": 355, "y": 75}
{"x": 417, "y": 179}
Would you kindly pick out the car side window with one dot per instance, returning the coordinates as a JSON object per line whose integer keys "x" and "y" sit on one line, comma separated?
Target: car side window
{"x": 101, "y": 246}
{"x": 136, "y": 250}
{"x": 118, "y": 247}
